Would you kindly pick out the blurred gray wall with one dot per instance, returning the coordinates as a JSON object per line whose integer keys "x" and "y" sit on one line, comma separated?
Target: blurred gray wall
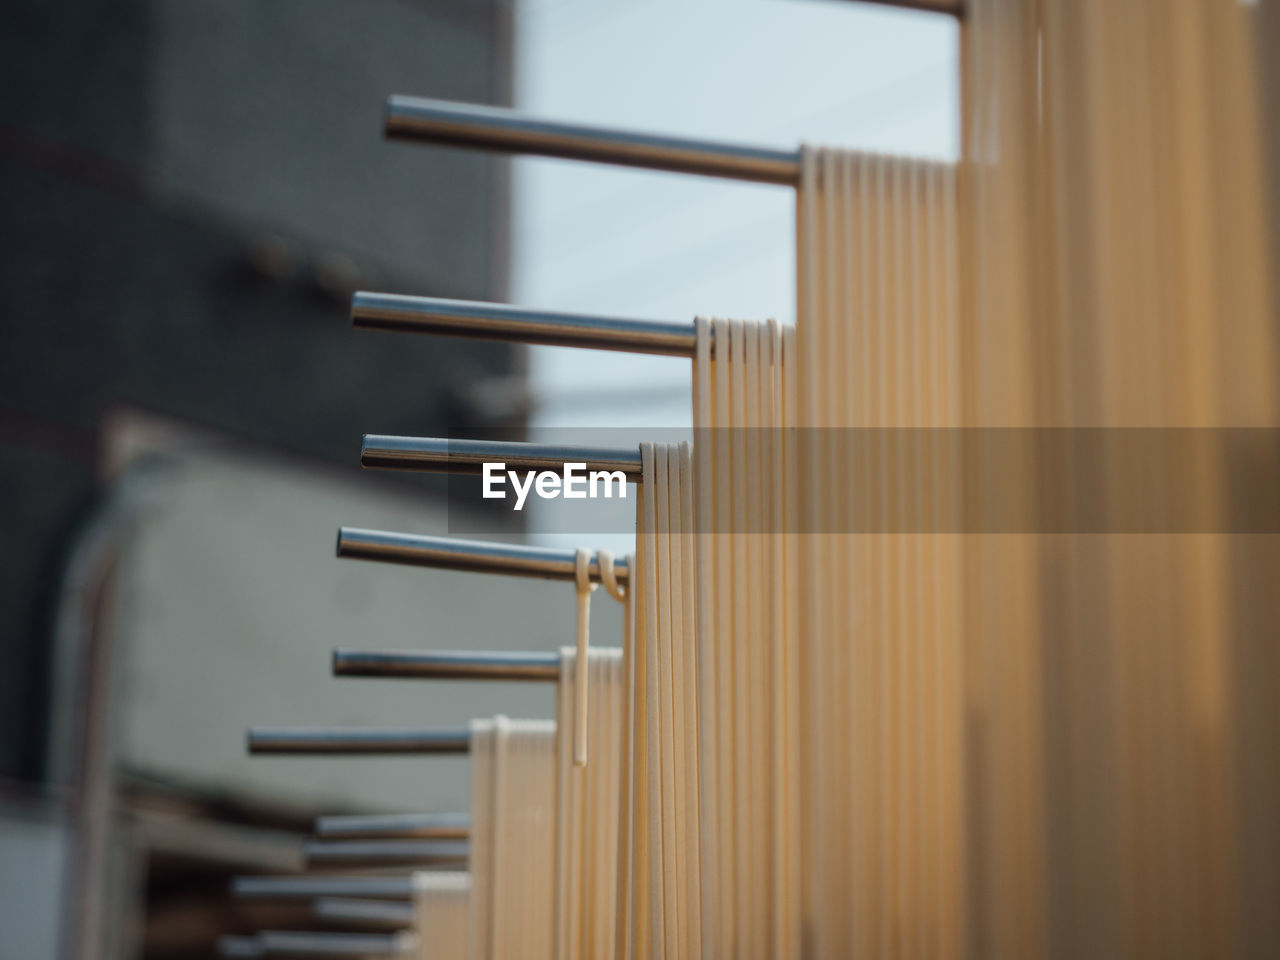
{"x": 230, "y": 602}
{"x": 32, "y": 874}
{"x": 189, "y": 190}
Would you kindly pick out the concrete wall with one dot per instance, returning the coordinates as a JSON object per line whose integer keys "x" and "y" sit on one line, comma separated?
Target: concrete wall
{"x": 188, "y": 191}
{"x": 231, "y": 600}
{"x": 32, "y": 874}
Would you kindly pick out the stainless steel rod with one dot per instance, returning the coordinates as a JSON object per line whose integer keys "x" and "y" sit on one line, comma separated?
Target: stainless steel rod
{"x": 447, "y": 665}
{"x": 427, "y": 826}
{"x": 433, "y": 826}
{"x": 500, "y": 321}
{"x": 365, "y": 946}
{"x": 954, "y": 8}
{"x": 306, "y": 888}
{"x": 436, "y": 852}
{"x": 236, "y": 947}
{"x": 508, "y": 131}
{"x": 446, "y": 455}
{"x": 478, "y": 556}
{"x": 358, "y": 741}
{"x": 381, "y": 913}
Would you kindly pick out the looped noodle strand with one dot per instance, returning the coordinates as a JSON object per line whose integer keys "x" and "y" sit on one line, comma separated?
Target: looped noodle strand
{"x": 584, "y": 586}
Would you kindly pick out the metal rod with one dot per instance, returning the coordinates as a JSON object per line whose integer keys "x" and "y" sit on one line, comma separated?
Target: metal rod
{"x": 428, "y": 826}
{"x": 478, "y": 556}
{"x": 435, "y": 852}
{"x": 954, "y": 8}
{"x": 334, "y": 740}
{"x": 447, "y": 665}
{"x": 500, "y": 129}
{"x": 445, "y": 455}
{"x": 433, "y": 826}
{"x": 365, "y": 946}
{"x": 508, "y": 131}
{"x": 235, "y": 947}
{"x": 500, "y": 321}
{"x": 306, "y": 888}
{"x": 373, "y": 912}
